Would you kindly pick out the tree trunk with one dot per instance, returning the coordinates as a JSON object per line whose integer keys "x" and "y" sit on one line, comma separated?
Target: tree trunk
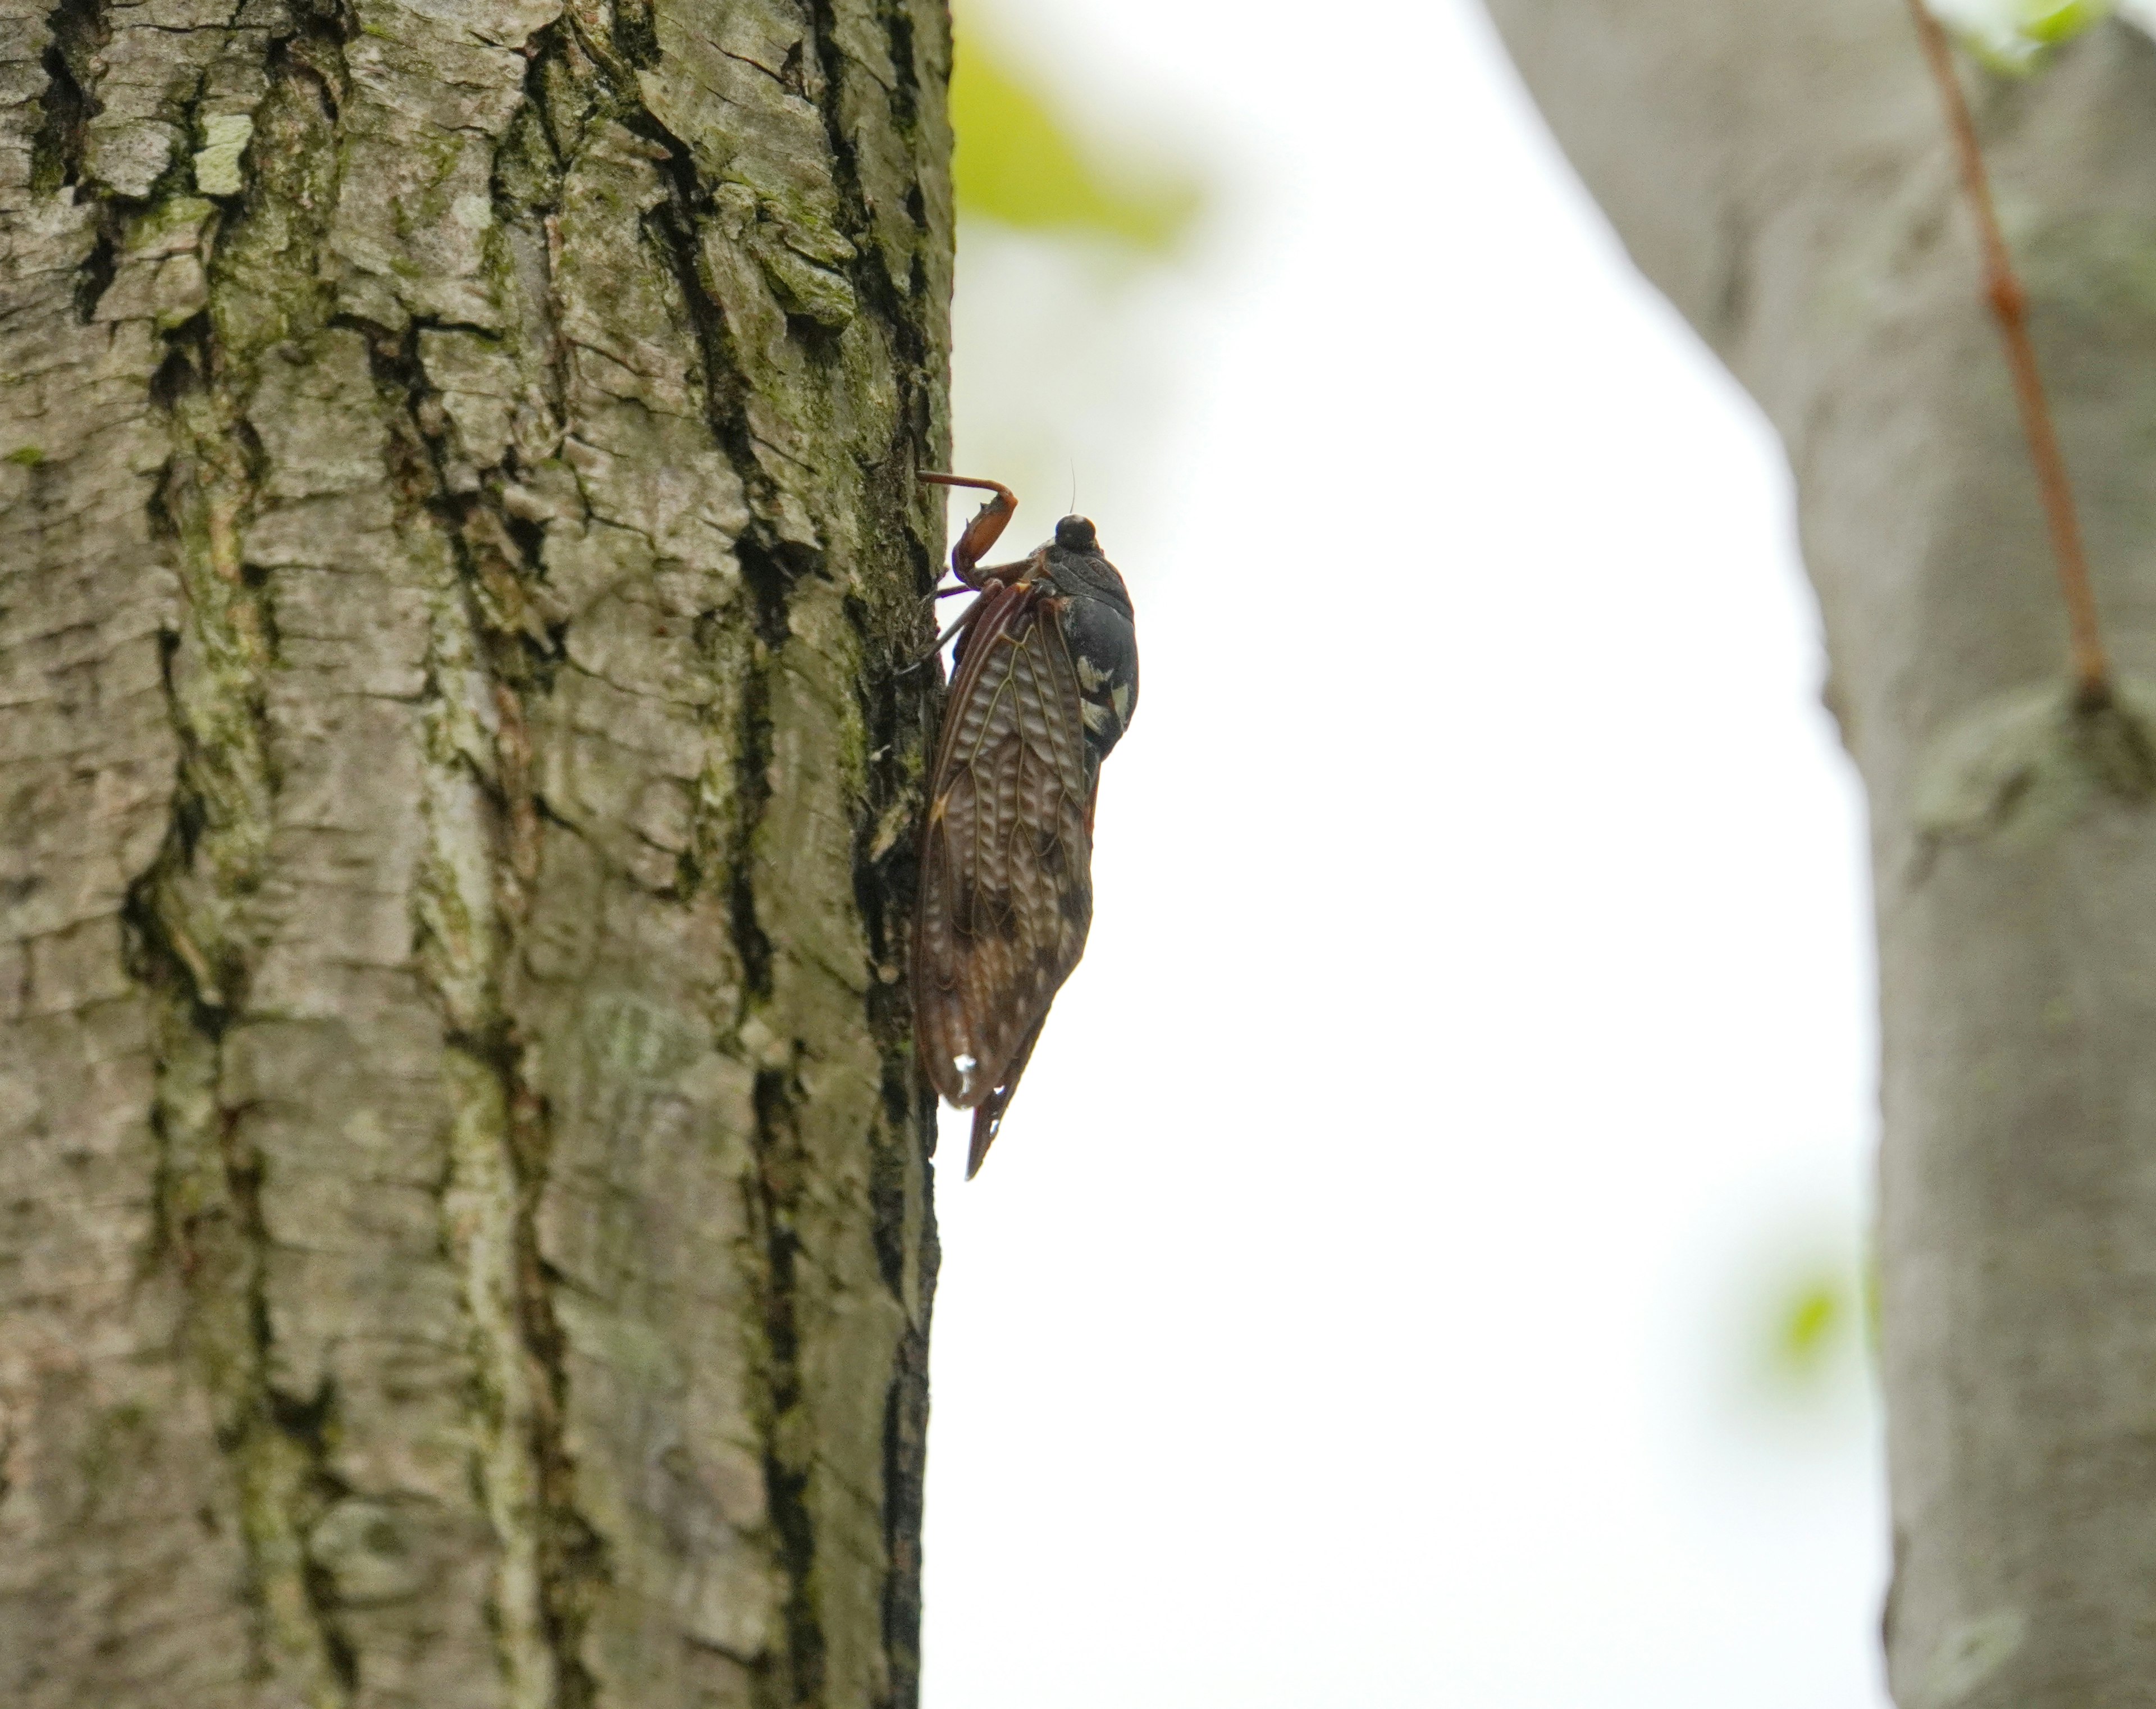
{"x": 464, "y": 1226}
{"x": 1782, "y": 172}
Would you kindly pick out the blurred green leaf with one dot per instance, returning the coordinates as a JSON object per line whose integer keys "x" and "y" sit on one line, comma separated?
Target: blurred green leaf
{"x": 1813, "y": 1324}
{"x": 2049, "y": 21}
{"x": 2016, "y": 35}
{"x": 1810, "y": 1322}
{"x": 1018, "y": 164}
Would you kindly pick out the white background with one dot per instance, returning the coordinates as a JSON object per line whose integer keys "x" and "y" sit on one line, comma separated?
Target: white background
{"x": 1364, "y": 1305}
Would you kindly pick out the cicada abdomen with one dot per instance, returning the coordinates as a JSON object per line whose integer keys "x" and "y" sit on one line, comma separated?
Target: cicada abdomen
{"x": 1045, "y": 683}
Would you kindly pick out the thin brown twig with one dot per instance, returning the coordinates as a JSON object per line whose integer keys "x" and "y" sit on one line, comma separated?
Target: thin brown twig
{"x": 2009, "y": 303}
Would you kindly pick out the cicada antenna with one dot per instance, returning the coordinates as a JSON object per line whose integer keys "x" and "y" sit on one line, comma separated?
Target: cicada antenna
{"x": 986, "y": 527}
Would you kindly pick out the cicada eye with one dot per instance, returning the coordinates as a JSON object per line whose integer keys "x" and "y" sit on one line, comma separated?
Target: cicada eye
{"x": 1075, "y": 534}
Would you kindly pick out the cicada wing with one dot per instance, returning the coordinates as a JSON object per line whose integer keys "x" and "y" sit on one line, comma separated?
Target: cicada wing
{"x": 1006, "y": 878}
{"x": 988, "y": 1115}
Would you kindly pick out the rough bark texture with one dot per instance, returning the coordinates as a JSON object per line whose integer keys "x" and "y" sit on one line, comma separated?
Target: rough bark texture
{"x": 1782, "y": 172}
{"x": 465, "y": 1232}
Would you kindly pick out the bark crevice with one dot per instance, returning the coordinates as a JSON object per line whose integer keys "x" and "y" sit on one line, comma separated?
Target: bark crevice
{"x": 492, "y": 649}
{"x": 793, "y": 1675}
{"x": 193, "y": 946}
{"x": 69, "y": 100}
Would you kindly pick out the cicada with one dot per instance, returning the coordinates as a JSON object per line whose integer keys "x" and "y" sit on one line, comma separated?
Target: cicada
{"x": 1045, "y": 680}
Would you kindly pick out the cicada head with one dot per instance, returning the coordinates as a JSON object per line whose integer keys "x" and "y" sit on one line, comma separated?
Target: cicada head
{"x": 1101, "y": 630}
{"x": 1073, "y": 561}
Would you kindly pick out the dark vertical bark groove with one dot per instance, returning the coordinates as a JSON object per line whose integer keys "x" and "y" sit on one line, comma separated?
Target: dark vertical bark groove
{"x": 194, "y": 951}
{"x": 78, "y": 30}
{"x": 795, "y": 1675}
{"x": 504, "y": 606}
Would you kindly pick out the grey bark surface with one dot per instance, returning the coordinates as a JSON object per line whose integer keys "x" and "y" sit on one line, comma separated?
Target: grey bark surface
{"x": 465, "y": 1219}
{"x": 1783, "y": 173}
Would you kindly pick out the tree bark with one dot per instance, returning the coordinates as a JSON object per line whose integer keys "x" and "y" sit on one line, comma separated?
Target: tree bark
{"x": 1782, "y": 172}
{"x": 465, "y": 1220}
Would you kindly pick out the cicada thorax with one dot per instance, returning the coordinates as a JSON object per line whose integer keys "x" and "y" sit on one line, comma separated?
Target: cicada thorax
{"x": 1045, "y": 685}
{"x": 1093, "y": 610}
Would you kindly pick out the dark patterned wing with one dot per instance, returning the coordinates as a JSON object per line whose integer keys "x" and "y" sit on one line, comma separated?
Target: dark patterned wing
{"x": 1006, "y": 868}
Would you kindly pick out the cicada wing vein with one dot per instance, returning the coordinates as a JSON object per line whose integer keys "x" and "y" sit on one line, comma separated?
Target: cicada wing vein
{"x": 1006, "y": 880}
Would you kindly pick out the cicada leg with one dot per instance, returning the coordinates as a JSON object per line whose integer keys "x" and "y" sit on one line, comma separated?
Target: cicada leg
{"x": 944, "y": 640}
{"x": 986, "y": 527}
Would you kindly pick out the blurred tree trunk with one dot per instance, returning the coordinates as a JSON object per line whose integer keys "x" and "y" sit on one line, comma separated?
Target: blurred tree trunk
{"x": 465, "y": 1232}
{"x": 1782, "y": 172}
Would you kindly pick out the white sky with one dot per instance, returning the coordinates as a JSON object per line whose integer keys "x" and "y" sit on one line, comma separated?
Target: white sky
{"x": 1355, "y": 1312}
